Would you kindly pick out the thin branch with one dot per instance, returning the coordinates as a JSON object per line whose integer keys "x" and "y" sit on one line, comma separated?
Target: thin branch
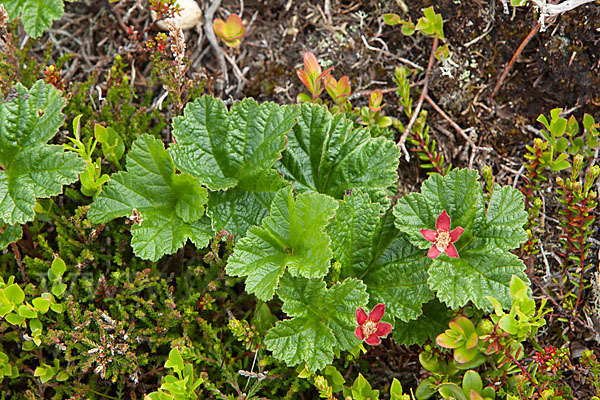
{"x": 458, "y": 129}
{"x": 388, "y": 54}
{"x": 518, "y": 52}
{"x": 209, "y": 15}
{"x": 417, "y": 110}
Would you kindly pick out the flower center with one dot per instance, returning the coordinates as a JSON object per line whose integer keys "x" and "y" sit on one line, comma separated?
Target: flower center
{"x": 369, "y": 328}
{"x": 442, "y": 240}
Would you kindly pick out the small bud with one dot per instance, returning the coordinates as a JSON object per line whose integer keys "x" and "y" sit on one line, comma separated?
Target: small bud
{"x": 375, "y": 100}
{"x": 487, "y": 171}
{"x": 577, "y": 164}
{"x": 485, "y": 327}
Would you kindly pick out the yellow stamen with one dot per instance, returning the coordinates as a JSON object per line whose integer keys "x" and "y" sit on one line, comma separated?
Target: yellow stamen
{"x": 369, "y": 328}
{"x": 442, "y": 240}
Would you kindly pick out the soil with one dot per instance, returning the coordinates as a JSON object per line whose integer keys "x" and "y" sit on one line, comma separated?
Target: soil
{"x": 560, "y": 67}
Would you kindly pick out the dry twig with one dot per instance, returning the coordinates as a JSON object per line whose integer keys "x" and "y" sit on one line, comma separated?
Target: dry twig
{"x": 518, "y": 52}
{"x": 417, "y": 110}
{"x": 209, "y": 15}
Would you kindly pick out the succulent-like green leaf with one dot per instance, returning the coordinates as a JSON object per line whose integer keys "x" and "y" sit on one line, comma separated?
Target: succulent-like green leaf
{"x": 30, "y": 168}
{"x": 292, "y": 236}
{"x": 171, "y": 205}
{"x": 484, "y": 265}
{"x": 431, "y": 323}
{"x": 37, "y": 15}
{"x": 233, "y": 150}
{"x": 370, "y": 248}
{"x": 324, "y": 154}
{"x": 322, "y": 320}
{"x": 477, "y": 273}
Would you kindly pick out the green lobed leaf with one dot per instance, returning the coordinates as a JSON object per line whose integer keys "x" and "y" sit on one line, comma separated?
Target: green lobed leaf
{"x": 239, "y": 208}
{"x": 476, "y": 274}
{"x": 9, "y": 234}
{"x": 428, "y": 325}
{"x": 37, "y": 15}
{"x": 370, "y": 248}
{"x": 322, "y": 320}
{"x": 31, "y": 168}
{"x": 324, "y": 154}
{"x": 171, "y": 205}
{"x": 292, "y": 236}
{"x": 233, "y": 150}
{"x": 459, "y": 193}
{"x": 505, "y": 218}
{"x": 485, "y": 265}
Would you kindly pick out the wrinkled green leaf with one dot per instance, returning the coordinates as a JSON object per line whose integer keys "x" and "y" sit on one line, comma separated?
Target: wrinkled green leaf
{"x": 433, "y": 321}
{"x": 37, "y": 15}
{"x": 292, "y": 236}
{"x": 370, "y": 248}
{"x": 171, "y": 205}
{"x": 245, "y": 205}
{"x": 476, "y": 274}
{"x": 505, "y": 218}
{"x": 459, "y": 193}
{"x": 233, "y": 150}
{"x": 322, "y": 320}
{"x": 31, "y": 168}
{"x": 9, "y": 234}
{"x": 221, "y": 148}
{"x": 431, "y": 23}
{"x": 485, "y": 265}
{"x": 326, "y": 155}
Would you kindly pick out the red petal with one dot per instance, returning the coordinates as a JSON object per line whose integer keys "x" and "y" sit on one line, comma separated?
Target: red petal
{"x": 433, "y": 252}
{"x": 429, "y": 234}
{"x": 377, "y": 312}
{"x": 359, "y": 333}
{"x": 451, "y": 251}
{"x": 443, "y": 222}
{"x": 373, "y": 340}
{"x": 455, "y": 234}
{"x": 383, "y": 329}
{"x": 361, "y": 316}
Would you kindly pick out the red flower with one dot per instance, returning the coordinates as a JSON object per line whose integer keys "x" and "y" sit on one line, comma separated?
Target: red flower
{"x": 442, "y": 238}
{"x": 369, "y": 328}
